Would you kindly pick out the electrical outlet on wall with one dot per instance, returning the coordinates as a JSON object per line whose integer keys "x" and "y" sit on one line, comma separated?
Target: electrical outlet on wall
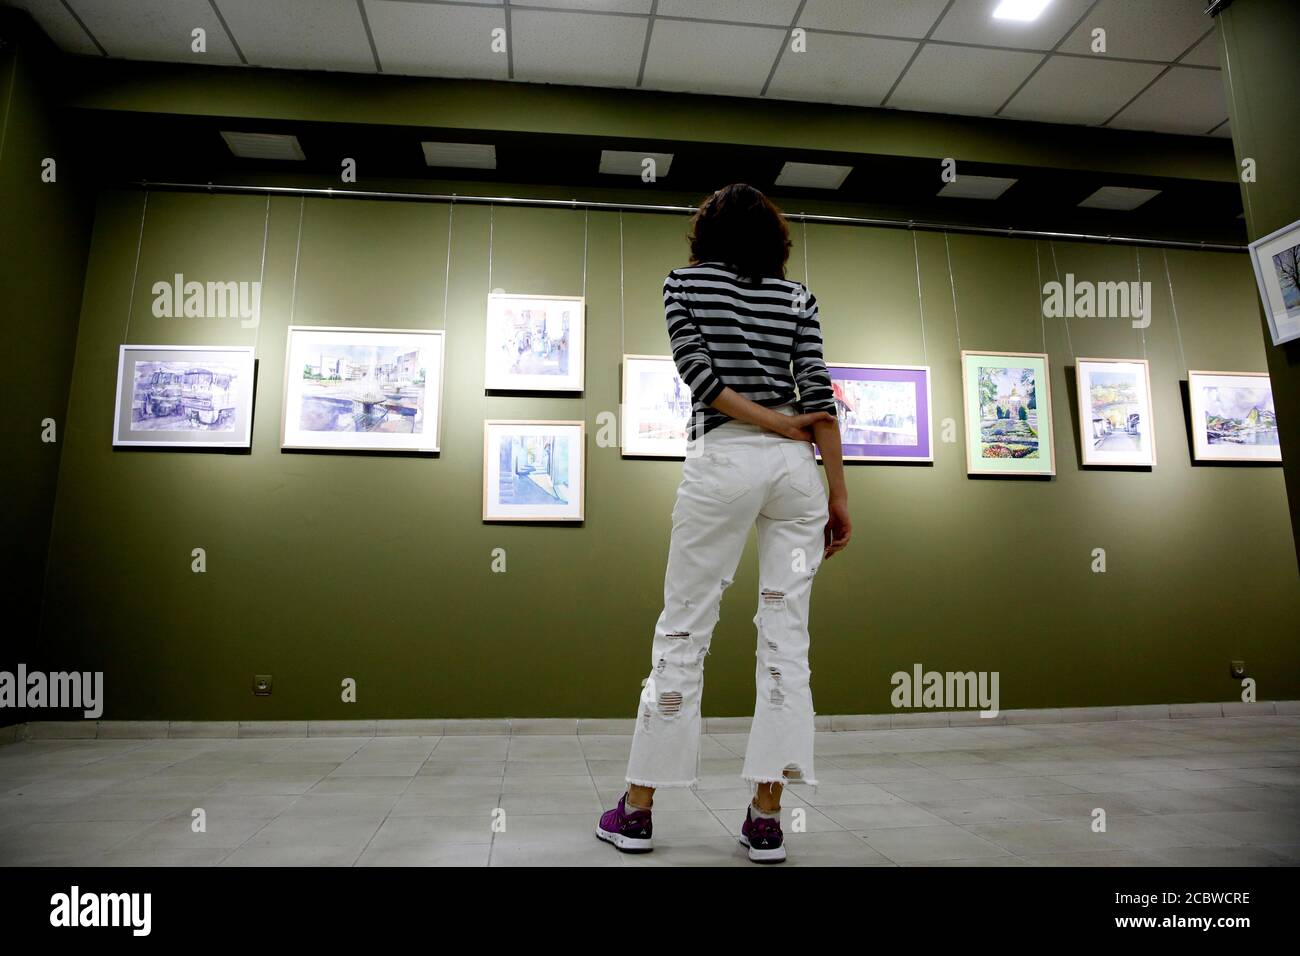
{"x": 1237, "y": 669}
{"x": 261, "y": 685}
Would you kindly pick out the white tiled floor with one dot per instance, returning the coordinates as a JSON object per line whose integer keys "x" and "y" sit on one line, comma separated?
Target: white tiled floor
{"x": 1185, "y": 792}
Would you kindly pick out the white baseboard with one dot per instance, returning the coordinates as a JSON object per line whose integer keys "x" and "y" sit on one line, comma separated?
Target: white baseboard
{"x": 155, "y": 729}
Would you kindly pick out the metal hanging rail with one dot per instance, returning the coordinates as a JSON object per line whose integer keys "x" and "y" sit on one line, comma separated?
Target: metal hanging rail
{"x": 926, "y": 226}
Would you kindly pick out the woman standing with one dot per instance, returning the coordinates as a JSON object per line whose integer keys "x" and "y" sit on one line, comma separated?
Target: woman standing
{"x": 748, "y": 344}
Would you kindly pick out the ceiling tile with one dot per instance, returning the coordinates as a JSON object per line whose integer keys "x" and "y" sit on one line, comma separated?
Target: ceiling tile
{"x": 957, "y": 79}
{"x": 595, "y": 6}
{"x": 778, "y": 12}
{"x": 710, "y": 58}
{"x": 971, "y": 21}
{"x": 904, "y": 18}
{"x": 1072, "y": 89}
{"x": 584, "y": 48}
{"x": 976, "y": 187}
{"x": 1142, "y": 29}
{"x": 59, "y": 25}
{"x": 819, "y": 73}
{"x": 156, "y": 29}
{"x": 1184, "y": 100}
{"x": 1122, "y": 198}
{"x": 425, "y": 39}
{"x": 275, "y": 33}
{"x": 1205, "y": 53}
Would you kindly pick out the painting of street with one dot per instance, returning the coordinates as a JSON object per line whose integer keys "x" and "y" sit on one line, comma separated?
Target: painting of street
{"x": 656, "y": 407}
{"x": 185, "y": 396}
{"x": 534, "y": 343}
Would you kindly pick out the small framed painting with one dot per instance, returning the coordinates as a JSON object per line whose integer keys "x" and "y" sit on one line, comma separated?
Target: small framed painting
{"x": 1276, "y": 258}
{"x": 372, "y": 390}
{"x": 1115, "y": 422}
{"x": 1233, "y": 418}
{"x": 1007, "y": 400}
{"x": 656, "y": 408}
{"x": 183, "y": 396}
{"x": 883, "y": 411}
{"x": 534, "y": 343}
{"x": 533, "y": 471}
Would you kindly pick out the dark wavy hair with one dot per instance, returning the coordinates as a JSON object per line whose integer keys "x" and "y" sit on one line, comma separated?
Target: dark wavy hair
{"x": 739, "y": 226}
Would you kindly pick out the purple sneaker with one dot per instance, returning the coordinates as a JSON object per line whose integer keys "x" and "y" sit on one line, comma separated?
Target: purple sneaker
{"x": 630, "y": 832}
{"x": 764, "y": 839}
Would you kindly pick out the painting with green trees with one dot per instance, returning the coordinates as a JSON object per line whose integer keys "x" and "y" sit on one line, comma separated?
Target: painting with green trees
{"x": 1008, "y": 413}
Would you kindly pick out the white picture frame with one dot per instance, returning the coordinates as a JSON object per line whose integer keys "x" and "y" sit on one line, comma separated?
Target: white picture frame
{"x": 1116, "y": 421}
{"x": 656, "y": 408}
{"x": 362, "y": 390}
{"x": 184, "y": 396}
{"x": 1276, "y": 260}
{"x": 1231, "y": 414}
{"x": 534, "y": 343}
{"x": 534, "y": 470}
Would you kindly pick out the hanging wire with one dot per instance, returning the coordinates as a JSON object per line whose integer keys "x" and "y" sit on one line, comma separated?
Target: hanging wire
{"x": 135, "y": 273}
{"x": 297, "y": 256}
{"x": 806, "y": 276}
{"x": 952, "y": 281}
{"x": 622, "y": 324}
{"x": 261, "y": 277}
{"x": 1038, "y": 293}
{"x": 1173, "y": 305}
{"x": 1141, "y": 328}
{"x": 920, "y": 299}
{"x": 446, "y": 279}
{"x": 492, "y": 222}
{"x": 1064, "y": 312}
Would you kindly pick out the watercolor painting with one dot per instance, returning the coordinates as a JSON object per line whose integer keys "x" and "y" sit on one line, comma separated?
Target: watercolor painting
{"x": 533, "y": 470}
{"x": 1115, "y": 420}
{"x": 1233, "y": 417}
{"x": 1276, "y": 259}
{"x": 184, "y": 396}
{"x": 883, "y": 411}
{"x": 656, "y": 408}
{"x": 534, "y": 343}
{"x": 1007, "y": 401}
{"x": 362, "y": 389}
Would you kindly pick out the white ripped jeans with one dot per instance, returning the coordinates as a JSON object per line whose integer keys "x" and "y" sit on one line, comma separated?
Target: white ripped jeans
{"x": 737, "y": 476}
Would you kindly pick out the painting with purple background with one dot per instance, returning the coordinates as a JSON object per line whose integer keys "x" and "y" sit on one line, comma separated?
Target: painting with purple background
{"x": 883, "y": 411}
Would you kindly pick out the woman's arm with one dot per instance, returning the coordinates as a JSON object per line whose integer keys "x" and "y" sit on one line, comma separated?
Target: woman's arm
{"x": 732, "y": 403}
{"x": 838, "y": 526}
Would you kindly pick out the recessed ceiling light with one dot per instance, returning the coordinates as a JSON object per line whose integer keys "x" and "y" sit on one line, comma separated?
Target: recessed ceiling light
{"x": 1024, "y": 10}
{"x": 620, "y": 162}
{"x": 976, "y": 187}
{"x": 263, "y": 145}
{"x": 1118, "y": 197}
{"x": 462, "y": 155}
{"x": 813, "y": 175}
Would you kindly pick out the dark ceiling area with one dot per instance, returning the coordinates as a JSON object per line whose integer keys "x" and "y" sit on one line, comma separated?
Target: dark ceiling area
{"x": 176, "y": 148}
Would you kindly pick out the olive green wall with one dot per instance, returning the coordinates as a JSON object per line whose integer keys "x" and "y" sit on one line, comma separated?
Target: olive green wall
{"x": 323, "y": 567}
{"x": 44, "y": 237}
{"x": 1257, "y": 52}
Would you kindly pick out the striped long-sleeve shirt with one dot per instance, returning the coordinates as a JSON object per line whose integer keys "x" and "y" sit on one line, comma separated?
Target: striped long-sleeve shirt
{"x": 761, "y": 339}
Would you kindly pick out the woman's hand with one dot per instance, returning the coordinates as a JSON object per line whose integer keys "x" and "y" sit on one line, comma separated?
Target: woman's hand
{"x": 799, "y": 427}
{"x": 838, "y": 526}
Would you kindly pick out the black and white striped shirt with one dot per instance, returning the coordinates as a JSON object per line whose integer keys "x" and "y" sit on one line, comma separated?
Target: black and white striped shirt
{"x": 761, "y": 339}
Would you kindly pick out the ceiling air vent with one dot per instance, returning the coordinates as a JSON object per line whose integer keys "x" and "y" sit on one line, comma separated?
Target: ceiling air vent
{"x": 263, "y": 145}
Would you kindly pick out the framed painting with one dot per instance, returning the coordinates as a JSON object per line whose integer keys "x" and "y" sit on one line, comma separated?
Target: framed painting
{"x": 1007, "y": 401}
{"x": 1233, "y": 417}
{"x": 533, "y": 470}
{"x": 372, "y": 390}
{"x": 1116, "y": 427}
{"x": 534, "y": 343}
{"x": 184, "y": 396}
{"x": 1276, "y": 258}
{"x": 883, "y": 411}
{"x": 656, "y": 408}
